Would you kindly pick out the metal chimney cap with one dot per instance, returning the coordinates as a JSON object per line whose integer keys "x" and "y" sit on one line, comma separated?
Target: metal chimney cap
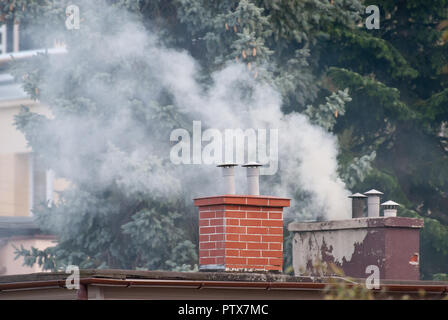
{"x": 390, "y": 203}
{"x": 357, "y": 195}
{"x": 252, "y": 165}
{"x": 224, "y": 165}
{"x": 373, "y": 192}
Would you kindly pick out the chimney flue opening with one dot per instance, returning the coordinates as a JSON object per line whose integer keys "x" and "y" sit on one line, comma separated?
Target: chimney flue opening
{"x": 228, "y": 173}
{"x": 253, "y": 178}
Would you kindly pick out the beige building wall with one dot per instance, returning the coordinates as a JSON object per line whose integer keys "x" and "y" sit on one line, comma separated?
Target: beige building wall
{"x": 14, "y": 184}
{"x": 9, "y": 265}
{"x": 16, "y": 169}
{"x": 11, "y": 140}
{"x": 14, "y": 163}
{"x": 22, "y": 182}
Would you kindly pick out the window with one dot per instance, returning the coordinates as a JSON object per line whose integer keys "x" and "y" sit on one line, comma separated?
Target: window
{"x": 14, "y": 38}
{"x": 41, "y": 183}
{"x": 3, "y": 39}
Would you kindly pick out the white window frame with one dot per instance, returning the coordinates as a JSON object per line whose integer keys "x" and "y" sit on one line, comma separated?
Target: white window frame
{"x": 16, "y": 37}
{"x": 49, "y": 180}
{"x": 4, "y": 40}
{"x": 31, "y": 183}
{"x": 49, "y": 185}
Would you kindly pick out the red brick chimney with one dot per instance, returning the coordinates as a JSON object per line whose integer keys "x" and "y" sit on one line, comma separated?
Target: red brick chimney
{"x": 241, "y": 232}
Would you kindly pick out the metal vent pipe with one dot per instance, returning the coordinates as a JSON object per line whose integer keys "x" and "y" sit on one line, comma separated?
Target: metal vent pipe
{"x": 253, "y": 178}
{"x": 228, "y": 173}
{"x": 358, "y": 204}
{"x": 373, "y": 203}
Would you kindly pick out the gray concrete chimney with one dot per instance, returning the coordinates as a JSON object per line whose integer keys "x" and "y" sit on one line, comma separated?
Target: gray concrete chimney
{"x": 390, "y": 243}
{"x": 358, "y": 204}
{"x": 228, "y": 173}
{"x": 390, "y": 208}
{"x": 373, "y": 203}
{"x": 253, "y": 178}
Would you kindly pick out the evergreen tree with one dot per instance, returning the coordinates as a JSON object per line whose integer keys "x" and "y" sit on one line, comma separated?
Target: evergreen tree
{"x": 382, "y": 92}
{"x": 397, "y": 78}
{"x": 124, "y": 208}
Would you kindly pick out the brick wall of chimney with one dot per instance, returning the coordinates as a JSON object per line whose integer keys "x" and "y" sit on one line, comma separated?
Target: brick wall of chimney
{"x": 241, "y": 233}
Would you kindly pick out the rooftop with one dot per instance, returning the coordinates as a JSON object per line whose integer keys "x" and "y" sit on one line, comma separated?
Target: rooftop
{"x": 116, "y": 284}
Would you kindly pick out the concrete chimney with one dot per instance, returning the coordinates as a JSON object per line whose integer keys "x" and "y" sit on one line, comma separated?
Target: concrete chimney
{"x": 373, "y": 203}
{"x": 253, "y": 178}
{"x": 358, "y": 204}
{"x": 390, "y": 208}
{"x": 390, "y": 243}
{"x": 228, "y": 173}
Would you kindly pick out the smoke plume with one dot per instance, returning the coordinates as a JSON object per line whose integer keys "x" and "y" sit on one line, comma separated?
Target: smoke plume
{"x": 133, "y": 148}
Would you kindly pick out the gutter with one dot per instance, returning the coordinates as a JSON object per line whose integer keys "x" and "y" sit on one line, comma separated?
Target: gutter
{"x": 7, "y": 57}
{"x": 200, "y": 284}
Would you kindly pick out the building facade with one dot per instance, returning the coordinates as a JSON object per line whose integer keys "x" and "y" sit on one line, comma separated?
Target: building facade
{"x": 24, "y": 180}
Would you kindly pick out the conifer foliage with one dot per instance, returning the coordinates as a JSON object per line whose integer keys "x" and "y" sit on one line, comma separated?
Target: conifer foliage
{"x": 382, "y": 92}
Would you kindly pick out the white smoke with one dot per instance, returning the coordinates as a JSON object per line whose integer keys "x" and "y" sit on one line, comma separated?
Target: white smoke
{"x": 307, "y": 152}
{"x": 234, "y": 99}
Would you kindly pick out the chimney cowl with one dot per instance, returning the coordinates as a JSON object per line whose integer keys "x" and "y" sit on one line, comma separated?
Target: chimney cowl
{"x": 373, "y": 192}
{"x": 252, "y": 165}
{"x": 390, "y": 208}
{"x": 390, "y": 203}
{"x": 357, "y": 195}
{"x": 227, "y": 165}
